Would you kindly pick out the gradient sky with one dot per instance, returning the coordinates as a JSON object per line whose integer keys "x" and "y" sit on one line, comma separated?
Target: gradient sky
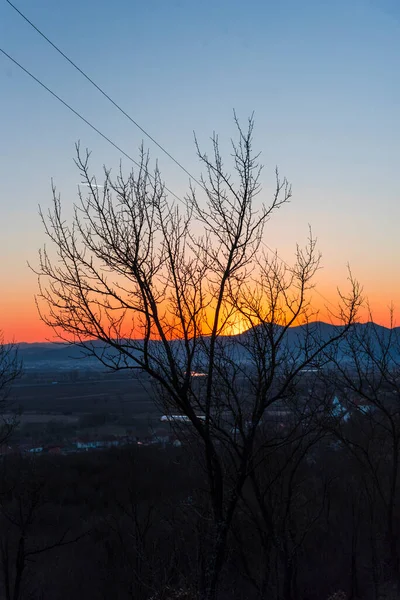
{"x": 322, "y": 78}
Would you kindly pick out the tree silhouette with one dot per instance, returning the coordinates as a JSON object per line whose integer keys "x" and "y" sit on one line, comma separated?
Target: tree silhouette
{"x": 141, "y": 282}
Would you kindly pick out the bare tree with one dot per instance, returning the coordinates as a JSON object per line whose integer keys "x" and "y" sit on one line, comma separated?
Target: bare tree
{"x": 10, "y": 366}
{"x": 23, "y": 507}
{"x": 142, "y": 282}
{"x": 367, "y": 373}
{"x": 10, "y": 370}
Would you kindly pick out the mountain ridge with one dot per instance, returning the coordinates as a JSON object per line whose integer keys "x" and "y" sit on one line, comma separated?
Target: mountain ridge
{"x": 58, "y": 353}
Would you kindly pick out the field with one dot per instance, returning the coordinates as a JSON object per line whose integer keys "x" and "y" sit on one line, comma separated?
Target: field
{"x": 59, "y": 405}
{"x": 107, "y": 405}
{"x": 112, "y": 394}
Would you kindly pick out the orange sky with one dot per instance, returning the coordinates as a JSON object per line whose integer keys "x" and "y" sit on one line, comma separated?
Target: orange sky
{"x": 20, "y": 322}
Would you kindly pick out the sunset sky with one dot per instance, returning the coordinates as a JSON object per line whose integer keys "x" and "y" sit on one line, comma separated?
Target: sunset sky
{"x": 321, "y": 77}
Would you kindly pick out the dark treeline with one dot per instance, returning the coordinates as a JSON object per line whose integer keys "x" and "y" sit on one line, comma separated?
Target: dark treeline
{"x": 317, "y": 516}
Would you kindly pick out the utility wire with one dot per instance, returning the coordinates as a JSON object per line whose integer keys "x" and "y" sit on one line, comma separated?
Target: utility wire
{"x": 121, "y": 110}
{"x": 75, "y": 112}
{"x": 82, "y": 72}
{"x": 82, "y": 118}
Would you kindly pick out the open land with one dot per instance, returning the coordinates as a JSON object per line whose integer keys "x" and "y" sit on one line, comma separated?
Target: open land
{"x": 48, "y": 405}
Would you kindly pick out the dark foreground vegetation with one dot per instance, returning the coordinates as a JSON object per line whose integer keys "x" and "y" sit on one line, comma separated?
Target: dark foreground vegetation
{"x": 135, "y": 523}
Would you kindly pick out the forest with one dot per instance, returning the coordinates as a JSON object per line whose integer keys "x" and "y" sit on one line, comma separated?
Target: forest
{"x": 317, "y": 516}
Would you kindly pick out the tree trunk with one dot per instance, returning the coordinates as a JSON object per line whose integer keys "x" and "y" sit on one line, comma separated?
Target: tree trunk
{"x": 288, "y": 572}
{"x": 216, "y": 562}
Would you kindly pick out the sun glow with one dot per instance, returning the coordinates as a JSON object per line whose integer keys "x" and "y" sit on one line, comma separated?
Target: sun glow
{"x": 236, "y": 327}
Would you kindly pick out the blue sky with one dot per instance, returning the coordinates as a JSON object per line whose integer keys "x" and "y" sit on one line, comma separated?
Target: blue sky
{"x": 321, "y": 77}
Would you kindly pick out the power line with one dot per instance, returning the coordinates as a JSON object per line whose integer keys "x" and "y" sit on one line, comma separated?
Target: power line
{"x": 75, "y": 112}
{"x": 82, "y": 118}
{"x": 121, "y": 110}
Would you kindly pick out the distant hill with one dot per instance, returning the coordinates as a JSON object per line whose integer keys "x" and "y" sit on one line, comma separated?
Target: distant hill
{"x": 48, "y": 354}
{"x": 59, "y": 355}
